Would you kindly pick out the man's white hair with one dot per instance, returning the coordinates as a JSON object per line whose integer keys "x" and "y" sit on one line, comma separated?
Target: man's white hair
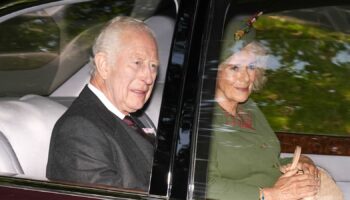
{"x": 108, "y": 39}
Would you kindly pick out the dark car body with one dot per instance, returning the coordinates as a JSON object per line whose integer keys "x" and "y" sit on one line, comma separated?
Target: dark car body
{"x": 187, "y": 81}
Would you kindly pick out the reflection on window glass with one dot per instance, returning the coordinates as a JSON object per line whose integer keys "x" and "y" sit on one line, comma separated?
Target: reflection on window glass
{"x": 79, "y": 17}
{"x": 28, "y": 42}
{"x": 41, "y": 49}
{"x": 308, "y": 89}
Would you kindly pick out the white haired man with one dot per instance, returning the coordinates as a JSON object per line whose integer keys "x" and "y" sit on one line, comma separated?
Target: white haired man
{"x": 91, "y": 143}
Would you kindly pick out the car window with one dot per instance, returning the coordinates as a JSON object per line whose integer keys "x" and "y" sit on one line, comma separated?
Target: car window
{"x": 41, "y": 49}
{"x": 307, "y": 90}
{"x": 308, "y": 66}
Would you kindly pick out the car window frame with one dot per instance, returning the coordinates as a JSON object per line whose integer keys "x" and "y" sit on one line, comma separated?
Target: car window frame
{"x": 285, "y": 138}
{"x": 44, "y": 186}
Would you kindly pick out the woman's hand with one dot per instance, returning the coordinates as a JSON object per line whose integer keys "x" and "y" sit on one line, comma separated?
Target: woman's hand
{"x": 293, "y": 186}
{"x": 308, "y": 166}
{"x": 305, "y": 166}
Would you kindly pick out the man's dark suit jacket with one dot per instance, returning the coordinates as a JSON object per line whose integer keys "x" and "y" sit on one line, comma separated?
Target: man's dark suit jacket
{"x": 90, "y": 144}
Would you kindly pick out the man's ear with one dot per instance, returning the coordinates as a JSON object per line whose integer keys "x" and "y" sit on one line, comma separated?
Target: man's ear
{"x": 102, "y": 67}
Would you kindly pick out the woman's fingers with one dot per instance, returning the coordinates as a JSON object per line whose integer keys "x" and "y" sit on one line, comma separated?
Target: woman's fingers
{"x": 312, "y": 169}
{"x": 285, "y": 168}
{"x": 292, "y": 186}
{"x": 308, "y": 180}
{"x": 308, "y": 168}
{"x": 290, "y": 173}
{"x": 308, "y": 191}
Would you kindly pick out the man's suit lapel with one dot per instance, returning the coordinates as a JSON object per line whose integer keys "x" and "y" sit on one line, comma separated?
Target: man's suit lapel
{"x": 100, "y": 110}
{"x": 136, "y": 148}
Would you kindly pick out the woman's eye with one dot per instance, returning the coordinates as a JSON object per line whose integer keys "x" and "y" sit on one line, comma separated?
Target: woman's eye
{"x": 234, "y": 68}
{"x": 251, "y": 67}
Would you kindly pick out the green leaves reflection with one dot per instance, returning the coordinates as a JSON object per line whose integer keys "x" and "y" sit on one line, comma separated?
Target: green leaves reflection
{"x": 307, "y": 89}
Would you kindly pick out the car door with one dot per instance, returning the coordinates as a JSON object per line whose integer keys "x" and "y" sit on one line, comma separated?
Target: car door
{"x": 305, "y": 98}
{"x": 44, "y": 64}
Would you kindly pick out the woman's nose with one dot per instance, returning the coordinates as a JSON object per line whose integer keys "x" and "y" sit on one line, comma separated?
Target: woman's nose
{"x": 243, "y": 75}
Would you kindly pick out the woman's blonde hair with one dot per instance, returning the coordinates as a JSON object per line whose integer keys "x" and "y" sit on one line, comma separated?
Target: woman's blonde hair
{"x": 258, "y": 49}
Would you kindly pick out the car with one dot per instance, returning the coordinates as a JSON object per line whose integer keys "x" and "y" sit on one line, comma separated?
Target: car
{"x": 45, "y": 50}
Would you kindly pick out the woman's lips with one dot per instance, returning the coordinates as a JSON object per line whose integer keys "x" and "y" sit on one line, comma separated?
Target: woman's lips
{"x": 242, "y": 89}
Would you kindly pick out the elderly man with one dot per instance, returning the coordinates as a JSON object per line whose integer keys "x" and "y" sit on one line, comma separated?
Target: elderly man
{"x": 91, "y": 143}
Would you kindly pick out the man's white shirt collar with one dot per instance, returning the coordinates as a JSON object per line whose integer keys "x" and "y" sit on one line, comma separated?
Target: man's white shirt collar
{"x": 105, "y": 101}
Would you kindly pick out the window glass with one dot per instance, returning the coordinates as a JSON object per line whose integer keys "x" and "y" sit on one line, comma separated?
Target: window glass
{"x": 41, "y": 49}
{"x": 30, "y": 43}
{"x": 307, "y": 89}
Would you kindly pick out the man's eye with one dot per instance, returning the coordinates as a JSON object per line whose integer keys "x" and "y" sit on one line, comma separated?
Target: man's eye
{"x": 155, "y": 66}
{"x": 138, "y": 62}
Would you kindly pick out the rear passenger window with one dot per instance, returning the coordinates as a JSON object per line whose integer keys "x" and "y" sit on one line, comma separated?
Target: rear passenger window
{"x": 42, "y": 50}
{"x": 307, "y": 89}
{"x": 31, "y": 47}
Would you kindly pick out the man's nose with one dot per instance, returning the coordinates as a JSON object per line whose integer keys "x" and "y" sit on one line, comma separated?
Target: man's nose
{"x": 146, "y": 74}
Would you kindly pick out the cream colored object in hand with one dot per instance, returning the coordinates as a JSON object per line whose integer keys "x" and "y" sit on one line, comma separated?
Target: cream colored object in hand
{"x": 328, "y": 189}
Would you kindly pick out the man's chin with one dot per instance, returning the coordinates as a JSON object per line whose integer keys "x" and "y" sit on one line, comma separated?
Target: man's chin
{"x": 135, "y": 107}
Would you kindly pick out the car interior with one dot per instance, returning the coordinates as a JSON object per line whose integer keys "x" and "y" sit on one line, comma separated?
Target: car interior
{"x": 25, "y": 140}
{"x": 336, "y": 165}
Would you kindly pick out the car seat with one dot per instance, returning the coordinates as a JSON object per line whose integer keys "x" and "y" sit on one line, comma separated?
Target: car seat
{"x": 27, "y": 124}
{"x": 9, "y": 164}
